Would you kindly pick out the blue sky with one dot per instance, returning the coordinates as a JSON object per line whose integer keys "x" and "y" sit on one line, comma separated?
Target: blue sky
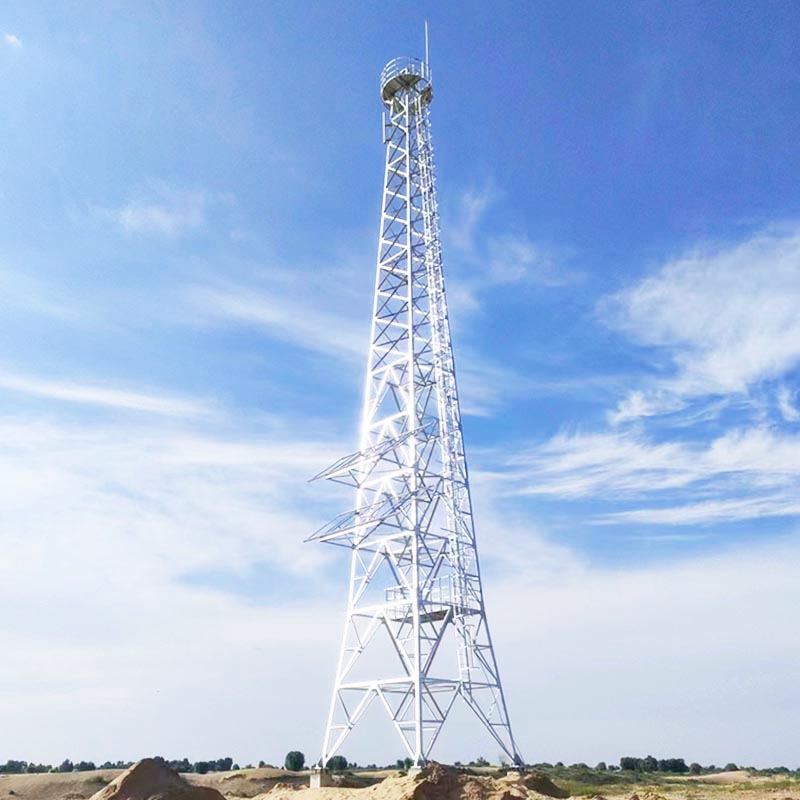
{"x": 189, "y": 200}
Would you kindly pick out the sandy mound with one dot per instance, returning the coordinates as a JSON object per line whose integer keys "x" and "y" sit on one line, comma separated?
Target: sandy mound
{"x": 434, "y": 782}
{"x": 733, "y": 776}
{"x": 539, "y": 782}
{"x": 437, "y": 782}
{"x": 152, "y": 780}
{"x": 445, "y": 783}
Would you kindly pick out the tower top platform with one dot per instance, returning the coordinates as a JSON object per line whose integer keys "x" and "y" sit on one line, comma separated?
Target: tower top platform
{"x": 404, "y": 74}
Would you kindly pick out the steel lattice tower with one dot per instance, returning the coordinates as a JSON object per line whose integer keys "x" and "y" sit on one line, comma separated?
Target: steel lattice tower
{"x": 414, "y": 573}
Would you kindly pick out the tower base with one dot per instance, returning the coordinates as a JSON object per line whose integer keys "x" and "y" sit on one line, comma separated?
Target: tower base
{"x": 320, "y": 778}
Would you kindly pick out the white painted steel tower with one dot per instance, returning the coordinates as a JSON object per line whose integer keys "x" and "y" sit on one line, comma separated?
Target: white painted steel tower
{"x": 416, "y": 637}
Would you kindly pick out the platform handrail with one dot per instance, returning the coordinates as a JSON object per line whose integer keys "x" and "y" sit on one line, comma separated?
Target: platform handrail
{"x": 404, "y": 65}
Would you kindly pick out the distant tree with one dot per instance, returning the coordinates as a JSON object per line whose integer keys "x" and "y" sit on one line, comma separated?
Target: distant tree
{"x": 201, "y": 767}
{"x": 579, "y": 765}
{"x": 695, "y": 768}
{"x": 630, "y": 763}
{"x": 676, "y": 765}
{"x": 601, "y": 766}
{"x": 400, "y": 763}
{"x": 66, "y": 766}
{"x": 408, "y": 763}
{"x": 262, "y": 764}
{"x": 731, "y": 767}
{"x": 650, "y": 764}
{"x": 235, "y": 767}
{"x": 13, "y": 767}
{"x": 85, "y": 766}
{"x": 336, "y": 763}
{"x": 295, "y": 760}
{"x": 559, "y": 764}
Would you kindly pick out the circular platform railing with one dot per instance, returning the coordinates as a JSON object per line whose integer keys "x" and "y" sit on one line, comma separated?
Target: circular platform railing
{"x": 403, "y": 73}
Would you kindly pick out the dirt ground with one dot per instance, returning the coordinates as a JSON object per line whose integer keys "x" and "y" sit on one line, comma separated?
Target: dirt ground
{"x": 435, "y": 783}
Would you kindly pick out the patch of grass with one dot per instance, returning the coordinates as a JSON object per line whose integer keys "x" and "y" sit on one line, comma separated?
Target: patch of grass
{"x": 582, "y": 781}
{"x": 781, "y": 783}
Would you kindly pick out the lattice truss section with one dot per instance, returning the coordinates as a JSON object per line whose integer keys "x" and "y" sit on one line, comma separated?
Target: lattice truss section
{"x": 415, "y": 579}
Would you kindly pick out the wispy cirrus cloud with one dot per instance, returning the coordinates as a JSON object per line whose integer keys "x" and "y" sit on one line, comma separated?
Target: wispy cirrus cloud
{"x": 104, "y": 395}
{"x": 742, "y": 474}
{"x": 708, "y": 512}
{"x": 289, "y": 315}
{"x": 724, "y": 318}
{"x": 786, "y": 404}
{"x": 104, "y": 522}
{"x": 162, "y": 210}
{"x": 471, "y": 208}
{"x": 516, "y": 259}
{"x": 498, "y": 258}
{"x": 31, "y": 294}
{"x": 303, "y": 319}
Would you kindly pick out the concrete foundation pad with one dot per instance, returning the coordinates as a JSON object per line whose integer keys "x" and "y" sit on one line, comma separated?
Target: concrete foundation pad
{"x": 320, "y": 778}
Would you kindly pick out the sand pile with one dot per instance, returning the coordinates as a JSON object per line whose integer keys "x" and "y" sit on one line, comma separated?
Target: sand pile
{"x": 154, "y": 780}
{"x": 437, "y": 782}
{"x": 539, "y": 782}
{"x": 434, "y": 782}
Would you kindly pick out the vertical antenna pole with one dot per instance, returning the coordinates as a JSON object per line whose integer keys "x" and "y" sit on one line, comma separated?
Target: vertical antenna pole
{"x": 427, "y": 54}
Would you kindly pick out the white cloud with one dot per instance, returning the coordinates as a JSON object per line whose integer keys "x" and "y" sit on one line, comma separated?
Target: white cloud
{"x": 288, "y": 316}
{"x": 713, "y": 511}
{"x": 726, "y": 318}
{"x": 100, "y": 395}
{"x": 163, "y": 210}
{"x": 515, "y": 259}
{"x": 484, "y": 387}
{"x": 593, "y": 670}
{"x": 742, "y": 474}
{"x": 221, "y": 501}
{"x": 101, "y": 524}
{"x": 21, "y": 291}
{"x": 12, "y": 41}
{"x": 293, "y": 311}
{"x": 500, "y": 258}
{"x": 786, "y": 404}
{"x": 637, "y": 404}
{"x": 470, "y": 210}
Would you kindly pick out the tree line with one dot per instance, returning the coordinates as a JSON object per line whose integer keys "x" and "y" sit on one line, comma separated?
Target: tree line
{"x": 12, "y": 767}
{"x": 295, "y": 760}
